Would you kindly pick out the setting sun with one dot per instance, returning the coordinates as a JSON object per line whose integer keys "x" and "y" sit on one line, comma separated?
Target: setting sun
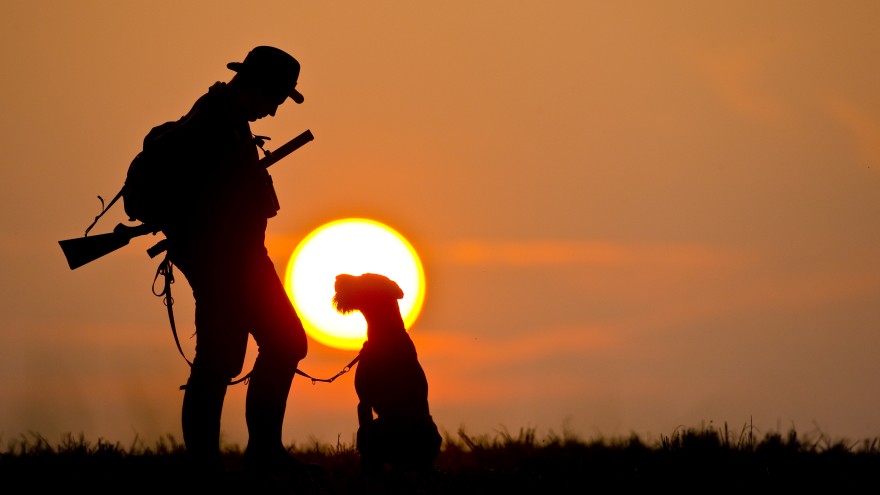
{"x": 354, "y": 246}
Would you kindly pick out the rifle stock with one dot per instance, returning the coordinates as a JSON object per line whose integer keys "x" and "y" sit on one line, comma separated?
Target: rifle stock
{"x": 83, "y": 250}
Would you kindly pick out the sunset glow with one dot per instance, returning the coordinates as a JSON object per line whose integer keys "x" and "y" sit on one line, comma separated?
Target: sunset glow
{"x": 634, "y": 216}
{"x": 354, "y": 246}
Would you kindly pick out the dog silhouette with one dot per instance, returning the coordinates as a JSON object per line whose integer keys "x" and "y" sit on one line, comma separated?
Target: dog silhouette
{"x": 388, "y": 380}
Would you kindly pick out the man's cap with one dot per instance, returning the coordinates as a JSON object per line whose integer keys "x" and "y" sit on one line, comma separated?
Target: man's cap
{"x": 271, "y": 66}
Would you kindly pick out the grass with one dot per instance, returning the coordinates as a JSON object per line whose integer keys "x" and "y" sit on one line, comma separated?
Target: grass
{"x": 704, "y": 459}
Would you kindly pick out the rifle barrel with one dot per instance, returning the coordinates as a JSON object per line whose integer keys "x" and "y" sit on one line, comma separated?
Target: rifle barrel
{"x": 287, "y": 148}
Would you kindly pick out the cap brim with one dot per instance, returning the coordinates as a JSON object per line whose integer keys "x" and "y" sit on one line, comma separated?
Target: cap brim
{"x": 296, "y": 96}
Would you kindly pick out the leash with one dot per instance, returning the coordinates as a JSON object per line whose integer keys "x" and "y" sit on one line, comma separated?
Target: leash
{"x": 314, "y": 380}
{"x": 166, "y": 270}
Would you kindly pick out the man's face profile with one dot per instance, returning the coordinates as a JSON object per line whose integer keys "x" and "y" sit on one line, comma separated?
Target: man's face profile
{"x": 259, "y": 104}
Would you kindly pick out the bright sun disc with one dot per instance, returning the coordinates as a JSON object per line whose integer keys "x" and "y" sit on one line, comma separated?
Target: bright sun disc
{"x": 354, "y": 246}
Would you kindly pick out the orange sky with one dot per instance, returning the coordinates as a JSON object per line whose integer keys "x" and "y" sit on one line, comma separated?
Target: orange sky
{"x": 633, "y": 215}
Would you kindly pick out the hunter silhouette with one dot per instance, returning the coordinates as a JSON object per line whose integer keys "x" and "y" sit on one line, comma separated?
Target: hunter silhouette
{"x": 218, "y": 201}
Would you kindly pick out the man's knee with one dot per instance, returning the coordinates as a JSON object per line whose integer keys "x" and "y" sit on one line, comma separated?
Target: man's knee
{"x": 279, "y": 361}
{"x": 284, "y": 345}
{"x": 212, "y": 368}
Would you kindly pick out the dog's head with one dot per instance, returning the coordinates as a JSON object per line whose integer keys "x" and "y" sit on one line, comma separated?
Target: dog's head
{"x": 359, "y": 293}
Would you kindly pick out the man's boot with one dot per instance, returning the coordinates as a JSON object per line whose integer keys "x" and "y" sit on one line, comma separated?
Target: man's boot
{"x": 201, "y": 413}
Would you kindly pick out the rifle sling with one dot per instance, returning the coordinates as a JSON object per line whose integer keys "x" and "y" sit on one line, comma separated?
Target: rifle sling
{"x": 104, "y": 209}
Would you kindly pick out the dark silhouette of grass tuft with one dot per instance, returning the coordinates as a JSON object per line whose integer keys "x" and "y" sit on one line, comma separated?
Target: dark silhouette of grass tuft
{"x": 704, "y": 459}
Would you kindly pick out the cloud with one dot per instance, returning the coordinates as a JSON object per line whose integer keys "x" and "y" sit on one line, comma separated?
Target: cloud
{"x": 489, "y": 370}
{"x": 561, "y": 253}
{"x": 680, "y": 264}
{"x": 738, "y": 76}
{"x": 539, "y": 344}
{"x": 863, "y": 127}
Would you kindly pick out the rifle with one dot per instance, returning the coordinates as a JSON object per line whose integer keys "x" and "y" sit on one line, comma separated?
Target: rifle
{"x": 82, "y": 250}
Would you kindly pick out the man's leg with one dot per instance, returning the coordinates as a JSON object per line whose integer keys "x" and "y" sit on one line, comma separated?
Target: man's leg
{"x": 282, "y": 344}
{"x": 221, "y": 344}
{"x": 265, "y": 405}
{"x": 201, "y": 413}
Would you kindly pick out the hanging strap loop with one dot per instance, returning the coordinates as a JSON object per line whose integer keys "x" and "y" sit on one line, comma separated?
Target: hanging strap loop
{"x": 166, "y": 270}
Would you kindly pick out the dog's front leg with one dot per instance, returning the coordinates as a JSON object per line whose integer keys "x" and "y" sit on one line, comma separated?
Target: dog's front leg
{"x": 368, "y": 442}
{"x": 365, "y": 414}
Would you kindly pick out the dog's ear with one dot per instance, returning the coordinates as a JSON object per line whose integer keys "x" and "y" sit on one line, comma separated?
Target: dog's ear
{"x": 396, "y": 290}
{"x": 384, "y": 284}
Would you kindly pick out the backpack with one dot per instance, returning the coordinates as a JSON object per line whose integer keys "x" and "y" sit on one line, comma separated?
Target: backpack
{"x": 147, "y": 195}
